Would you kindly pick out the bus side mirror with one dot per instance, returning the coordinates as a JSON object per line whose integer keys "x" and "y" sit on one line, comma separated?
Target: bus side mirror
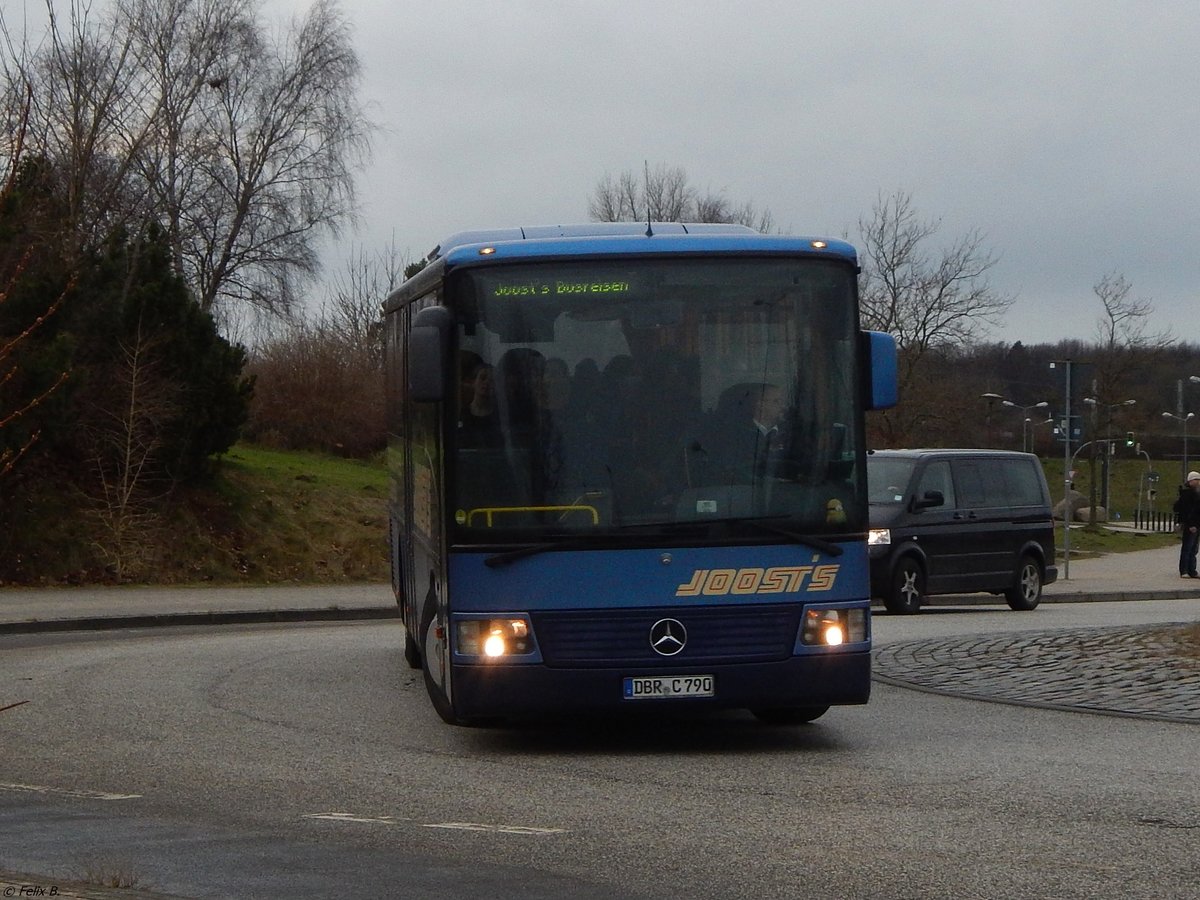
{"x": 882, "y": 370}
{"x": 428, "y": 354}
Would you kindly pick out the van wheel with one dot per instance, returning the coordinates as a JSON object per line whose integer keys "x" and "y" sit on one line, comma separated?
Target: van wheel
{"x": 908, "y": 588}
{"x": 1027, "y": 592}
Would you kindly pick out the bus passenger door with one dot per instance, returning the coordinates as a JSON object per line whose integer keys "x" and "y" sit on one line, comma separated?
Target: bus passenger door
{"x": 425, "y": 469}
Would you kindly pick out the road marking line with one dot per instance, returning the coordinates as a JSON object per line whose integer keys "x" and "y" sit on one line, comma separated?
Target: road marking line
{"x": 455, "y": 826}
{"x": 350, "y": 817}
{"x": 66, "y": 792}
{"x": 496, "y": 829}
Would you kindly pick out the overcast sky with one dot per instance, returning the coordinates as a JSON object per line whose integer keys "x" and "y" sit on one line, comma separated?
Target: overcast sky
{"x": 1067, "y": 131}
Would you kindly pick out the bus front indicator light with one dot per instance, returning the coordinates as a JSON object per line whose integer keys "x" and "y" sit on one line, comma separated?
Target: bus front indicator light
{"x": 856, "y": 625}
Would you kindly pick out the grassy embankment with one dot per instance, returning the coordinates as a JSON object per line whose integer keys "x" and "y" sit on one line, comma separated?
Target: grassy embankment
{"x": 273, "y": 517}
{"x": 1127, "y": 478}
{"x": 291, "y": 516}
{"x": 266, "y": 517}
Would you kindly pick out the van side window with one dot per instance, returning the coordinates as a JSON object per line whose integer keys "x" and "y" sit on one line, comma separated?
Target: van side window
{"x": 936, "y": 477}
{"x": 1021, "y": 483}
{"x": 973, "y": 484}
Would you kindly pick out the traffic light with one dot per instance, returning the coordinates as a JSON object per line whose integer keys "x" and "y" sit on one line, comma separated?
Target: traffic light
{"x": 1129, "y": 439}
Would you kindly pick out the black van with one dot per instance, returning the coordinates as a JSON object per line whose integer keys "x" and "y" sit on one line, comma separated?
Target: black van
{"x": 958, "y": 521}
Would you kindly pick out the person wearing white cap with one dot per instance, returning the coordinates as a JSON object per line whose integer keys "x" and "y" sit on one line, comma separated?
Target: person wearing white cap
{"x": 1187, "y": 507}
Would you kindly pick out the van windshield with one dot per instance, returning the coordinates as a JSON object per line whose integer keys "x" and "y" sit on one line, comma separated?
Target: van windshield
{"x": 887, "y": 479}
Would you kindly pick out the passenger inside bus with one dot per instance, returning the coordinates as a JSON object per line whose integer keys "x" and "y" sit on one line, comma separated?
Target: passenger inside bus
{"x": 744, "y": 439}
{"x": 479, "y": 424}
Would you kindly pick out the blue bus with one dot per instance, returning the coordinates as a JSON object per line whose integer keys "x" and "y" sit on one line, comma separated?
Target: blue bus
{"x": 628, "y": 471}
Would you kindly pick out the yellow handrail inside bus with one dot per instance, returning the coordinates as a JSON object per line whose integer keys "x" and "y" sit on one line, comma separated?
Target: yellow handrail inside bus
{"x": 489, "y": 511}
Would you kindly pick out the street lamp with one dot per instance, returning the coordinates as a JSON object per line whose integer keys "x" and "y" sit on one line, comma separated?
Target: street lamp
{"x": 1033, "y": 427}
{"x": 1108, "y": 411}
{"x": 991, "y": 402}
{"x": 1183, "y": 420}
{"x": 1025, "y": 419}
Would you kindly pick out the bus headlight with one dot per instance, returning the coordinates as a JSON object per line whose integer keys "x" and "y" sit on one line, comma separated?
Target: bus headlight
{"x": 832, "y": 627}
{"x": 879, "y": 537}
{"x": 494, "y": 638}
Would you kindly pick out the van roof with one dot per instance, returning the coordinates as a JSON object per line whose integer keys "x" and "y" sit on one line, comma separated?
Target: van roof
{"x": 921, "y": 453}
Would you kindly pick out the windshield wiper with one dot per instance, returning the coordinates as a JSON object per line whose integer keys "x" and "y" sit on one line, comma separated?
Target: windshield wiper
{"x": 827, "y": 547}
{"x": 505, "y": 557}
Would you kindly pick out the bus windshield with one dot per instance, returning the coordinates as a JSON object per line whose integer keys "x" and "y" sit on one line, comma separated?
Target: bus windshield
{"x": 654, "y": 396}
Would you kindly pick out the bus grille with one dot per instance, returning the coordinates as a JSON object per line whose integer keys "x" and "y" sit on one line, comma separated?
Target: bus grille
{"x": 622, "y": 636}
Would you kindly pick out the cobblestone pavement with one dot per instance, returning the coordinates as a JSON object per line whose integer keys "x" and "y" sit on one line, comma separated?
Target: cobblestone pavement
{"x": 1142, "y": 672}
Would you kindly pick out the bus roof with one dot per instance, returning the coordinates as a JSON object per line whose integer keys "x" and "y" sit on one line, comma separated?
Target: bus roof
{"x": 607, "y": 239}
{"x": 627, "y": 237}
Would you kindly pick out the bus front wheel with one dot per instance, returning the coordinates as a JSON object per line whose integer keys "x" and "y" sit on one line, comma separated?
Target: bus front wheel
{"x": 412, "y": 653}
{"x": 437, "y": 693}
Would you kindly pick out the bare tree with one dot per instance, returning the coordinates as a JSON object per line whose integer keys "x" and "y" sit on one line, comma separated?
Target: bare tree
{"x": 185, "y": 110}
{"x": 929, "y": 298}
{"x": 291, "y": 135}
{"x": 353, "y": 309}
{"x": 664, "y": 194}
{"x": 1124, "y": 324}
{"x": 1127, "y": 351}
{"x": 182, "y": 51}
{"x": 87, "y": 121}
{"x": 126, "y": 441}
{"x": 320, "y": 382}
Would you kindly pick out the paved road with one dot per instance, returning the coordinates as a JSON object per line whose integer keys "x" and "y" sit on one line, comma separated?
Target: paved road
{"x": 305, "y": 761}
{"x": 303, "y": 720}
{"x": 1122, "y": 672}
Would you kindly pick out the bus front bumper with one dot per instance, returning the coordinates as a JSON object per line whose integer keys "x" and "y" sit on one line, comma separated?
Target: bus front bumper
{"x": 811, "y": 680}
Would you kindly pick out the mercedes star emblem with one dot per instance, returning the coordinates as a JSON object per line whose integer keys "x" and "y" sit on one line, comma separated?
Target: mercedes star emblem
{"x": 667, "y": 636}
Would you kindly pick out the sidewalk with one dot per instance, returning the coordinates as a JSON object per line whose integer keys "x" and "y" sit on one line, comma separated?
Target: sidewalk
{"x": 1139, "y": 575}
{"x": 84, "y": 608}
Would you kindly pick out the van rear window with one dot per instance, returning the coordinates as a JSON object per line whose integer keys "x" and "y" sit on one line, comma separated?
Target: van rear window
{"x": 998, "y": 482}
{"x": 1022, "y": 483}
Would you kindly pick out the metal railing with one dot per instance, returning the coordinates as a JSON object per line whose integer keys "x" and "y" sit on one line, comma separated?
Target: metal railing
{"x": 1156, "y": 521}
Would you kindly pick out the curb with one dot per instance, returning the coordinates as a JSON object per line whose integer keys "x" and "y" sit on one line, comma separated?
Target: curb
{"x": 1108, "y": 596}
{"x": 1090, "y": 597}
{"x": 378, "y": 613}
{"x": 160, "y": 620}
